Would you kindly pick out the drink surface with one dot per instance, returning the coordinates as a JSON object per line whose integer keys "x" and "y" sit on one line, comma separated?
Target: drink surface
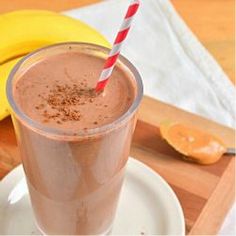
{"x": 58, "y": 92}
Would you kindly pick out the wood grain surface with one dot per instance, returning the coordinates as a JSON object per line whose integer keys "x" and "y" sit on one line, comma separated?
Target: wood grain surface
{"x": 213, "y": 23}
{"x": 54, "y": 5}
{"x": 211, "y": 20}
{"x": 206, "y": 193}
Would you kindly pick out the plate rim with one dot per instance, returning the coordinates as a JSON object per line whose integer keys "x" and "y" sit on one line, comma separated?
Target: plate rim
{"x": 132, "y": 162}
{"x": 168, "y": 188}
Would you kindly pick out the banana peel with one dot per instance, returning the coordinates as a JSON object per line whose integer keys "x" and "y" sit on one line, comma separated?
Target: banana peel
{"x": 5, "y": 70}
{"x": 27, "y": 30}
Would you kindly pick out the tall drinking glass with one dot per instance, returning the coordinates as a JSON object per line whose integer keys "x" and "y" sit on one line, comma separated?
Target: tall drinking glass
{"x": 74, "y": 181}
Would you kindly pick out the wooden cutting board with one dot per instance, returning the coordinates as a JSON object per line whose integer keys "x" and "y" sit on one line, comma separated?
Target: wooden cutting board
{"x": 206, "y": 193}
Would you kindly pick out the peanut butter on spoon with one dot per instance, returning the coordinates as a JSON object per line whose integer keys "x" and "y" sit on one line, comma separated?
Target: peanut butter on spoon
{"x": 196, "y": 145}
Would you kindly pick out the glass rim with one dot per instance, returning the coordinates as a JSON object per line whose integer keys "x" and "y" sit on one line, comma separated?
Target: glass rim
{"x": 61, "y": 131}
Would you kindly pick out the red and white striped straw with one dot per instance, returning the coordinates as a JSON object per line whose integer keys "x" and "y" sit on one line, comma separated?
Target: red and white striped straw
{"x": 115, "y": 51}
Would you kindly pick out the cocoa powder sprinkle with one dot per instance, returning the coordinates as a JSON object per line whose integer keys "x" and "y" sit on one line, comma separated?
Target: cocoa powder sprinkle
{"x": 63, "y": 99}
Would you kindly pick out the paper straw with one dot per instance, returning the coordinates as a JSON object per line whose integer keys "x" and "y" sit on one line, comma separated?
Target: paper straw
{"x": 115, "y": 51}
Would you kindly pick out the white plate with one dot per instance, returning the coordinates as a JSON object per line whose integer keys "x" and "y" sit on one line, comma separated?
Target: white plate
{"x": 147, "y": 205}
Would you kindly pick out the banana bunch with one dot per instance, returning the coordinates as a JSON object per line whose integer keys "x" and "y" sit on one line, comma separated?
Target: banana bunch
{"x": 24, "y": 31}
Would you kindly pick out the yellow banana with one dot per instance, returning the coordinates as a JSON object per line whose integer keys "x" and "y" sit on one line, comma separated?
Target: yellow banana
{"x": 24, "y": 32}
{"x": 5, "y": 70}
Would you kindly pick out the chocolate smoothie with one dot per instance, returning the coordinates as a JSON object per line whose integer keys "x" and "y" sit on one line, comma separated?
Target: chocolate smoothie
{"x": 58, "y": 92}
{"x": 74, "y": 153}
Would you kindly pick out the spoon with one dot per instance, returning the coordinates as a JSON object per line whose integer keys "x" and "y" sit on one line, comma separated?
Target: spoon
{"x": 195, "y": 145}
{"x": 230, "y": 151}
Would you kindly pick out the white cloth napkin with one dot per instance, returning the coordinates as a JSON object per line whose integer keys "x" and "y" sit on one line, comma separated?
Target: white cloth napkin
{"x": 174, "y": 66}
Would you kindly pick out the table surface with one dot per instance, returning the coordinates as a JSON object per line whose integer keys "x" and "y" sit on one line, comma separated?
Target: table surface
{"x": 211, "y": 20}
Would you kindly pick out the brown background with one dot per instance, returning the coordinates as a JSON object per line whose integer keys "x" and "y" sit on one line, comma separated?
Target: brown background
{"x": 211, "y": 20}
